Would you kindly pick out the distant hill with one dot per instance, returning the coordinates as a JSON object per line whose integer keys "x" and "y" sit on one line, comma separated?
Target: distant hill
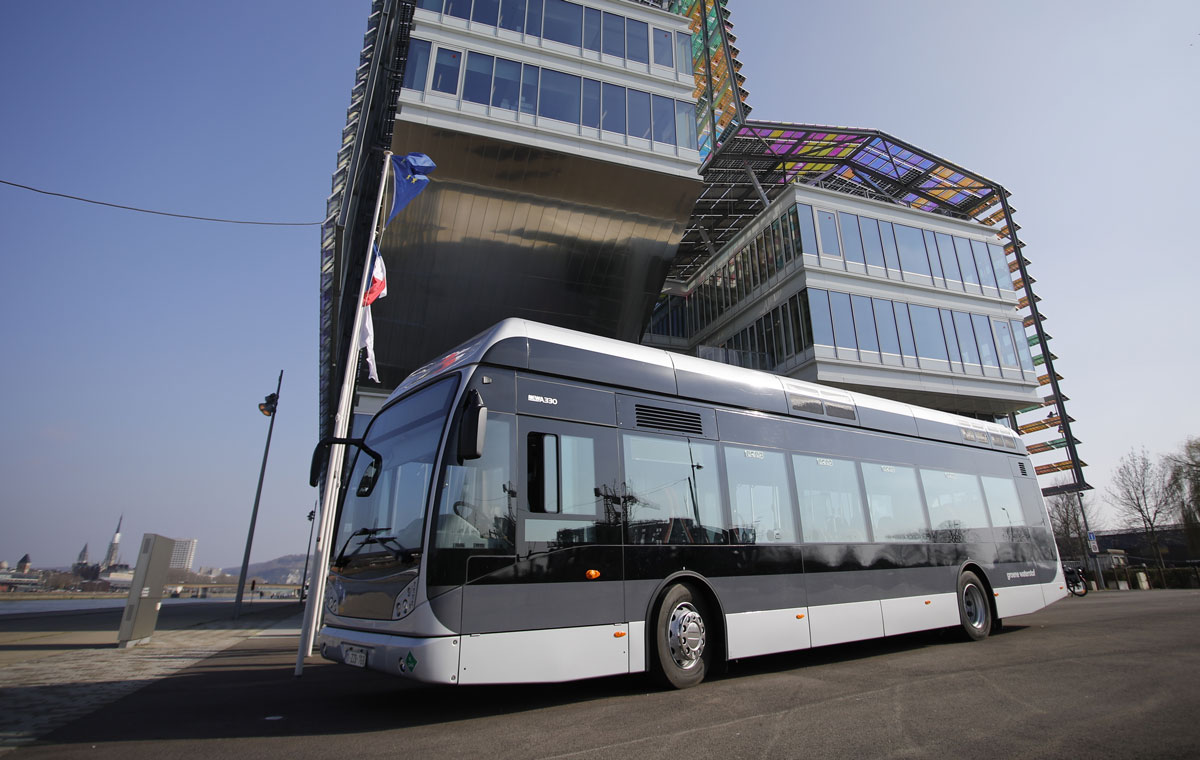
{"x": 285, "y": 569}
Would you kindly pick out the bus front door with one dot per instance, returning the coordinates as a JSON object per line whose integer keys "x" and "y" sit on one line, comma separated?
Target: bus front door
{"x": 564, "y": 594}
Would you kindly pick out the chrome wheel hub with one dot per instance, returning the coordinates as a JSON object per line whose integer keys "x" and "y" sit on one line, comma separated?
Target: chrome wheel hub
{"x": 685, "y": 635}
{"x": 974, "y": 606}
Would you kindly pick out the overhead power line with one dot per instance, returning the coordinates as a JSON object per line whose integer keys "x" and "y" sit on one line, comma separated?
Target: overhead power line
{"x": 159, "y": 213}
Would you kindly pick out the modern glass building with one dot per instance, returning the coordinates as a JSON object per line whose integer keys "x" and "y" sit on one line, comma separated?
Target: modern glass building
{"x": 598, "y": 169}
{"x": 851, "y": 258}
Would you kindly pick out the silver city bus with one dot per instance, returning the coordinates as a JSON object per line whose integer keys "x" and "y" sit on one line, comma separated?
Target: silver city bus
{"x": 545, "y": 505}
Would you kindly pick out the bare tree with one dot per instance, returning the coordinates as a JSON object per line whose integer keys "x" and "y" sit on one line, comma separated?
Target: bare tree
{"x": 1141, "y": 492}
{"x": 1067, "y": 511}
{"x": 1184, "y": 474}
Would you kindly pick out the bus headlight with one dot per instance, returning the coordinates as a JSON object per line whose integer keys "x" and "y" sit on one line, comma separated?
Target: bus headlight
{"x": 406, "y": 600}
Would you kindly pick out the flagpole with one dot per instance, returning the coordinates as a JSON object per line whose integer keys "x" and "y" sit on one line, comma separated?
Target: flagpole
{"x": 341, "y": 424}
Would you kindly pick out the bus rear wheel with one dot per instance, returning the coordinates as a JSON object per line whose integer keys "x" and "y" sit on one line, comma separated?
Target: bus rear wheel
{"x": 682, "y": 640}
{"x": 974, "y": 612}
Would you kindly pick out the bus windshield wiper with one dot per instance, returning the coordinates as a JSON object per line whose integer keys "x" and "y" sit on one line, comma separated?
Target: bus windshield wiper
{"x": 341, "y": 558}
{"x": 400, "y": 549}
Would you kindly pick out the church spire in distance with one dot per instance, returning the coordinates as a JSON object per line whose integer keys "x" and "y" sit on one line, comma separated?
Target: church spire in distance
{"x": 110, "y": 558}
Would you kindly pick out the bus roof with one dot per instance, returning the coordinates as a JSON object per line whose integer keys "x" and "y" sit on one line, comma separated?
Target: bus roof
{"x": 524, "y": 345}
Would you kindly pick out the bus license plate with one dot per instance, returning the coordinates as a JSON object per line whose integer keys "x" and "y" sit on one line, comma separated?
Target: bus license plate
{"x": 354, "y": 656}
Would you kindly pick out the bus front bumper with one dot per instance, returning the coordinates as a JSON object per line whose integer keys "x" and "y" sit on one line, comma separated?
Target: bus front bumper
{"x": 431, "y": 660}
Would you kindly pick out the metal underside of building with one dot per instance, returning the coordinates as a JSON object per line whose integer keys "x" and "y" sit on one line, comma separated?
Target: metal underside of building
{"x": 510, "y": 230}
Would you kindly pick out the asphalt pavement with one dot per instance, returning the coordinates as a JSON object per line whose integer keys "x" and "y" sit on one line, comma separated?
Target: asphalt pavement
{"x": 1113, "y": 674}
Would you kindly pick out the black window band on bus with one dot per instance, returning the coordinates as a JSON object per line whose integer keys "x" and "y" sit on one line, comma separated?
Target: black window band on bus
{"x": 543, "y": 475}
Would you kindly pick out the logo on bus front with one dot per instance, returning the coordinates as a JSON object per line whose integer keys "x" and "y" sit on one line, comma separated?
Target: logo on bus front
{"x": 542, "y": 399}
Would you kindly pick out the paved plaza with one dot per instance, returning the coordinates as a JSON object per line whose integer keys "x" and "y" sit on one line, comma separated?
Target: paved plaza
{"x": 1111, "y": 675}
{"x": 55, "y": 667}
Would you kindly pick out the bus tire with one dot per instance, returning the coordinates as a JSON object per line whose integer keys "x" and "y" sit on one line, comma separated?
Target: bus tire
{"x": 682, "y": 638}
{"x": 974, "y": 611}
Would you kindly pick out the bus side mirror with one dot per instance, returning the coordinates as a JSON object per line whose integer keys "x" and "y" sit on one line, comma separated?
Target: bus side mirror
{"x": 473, "y": 428}
{"x": 321, "y": 452}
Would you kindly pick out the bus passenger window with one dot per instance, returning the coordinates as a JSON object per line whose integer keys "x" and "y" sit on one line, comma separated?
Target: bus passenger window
{"x": 672, "y": 491}
{"x": 955, "y": 503}
{"x": 831, "y": 507}
{"x": 759, "y": 496}
{"x": 894, "y": 501}
{"x": 1005, "y": 508}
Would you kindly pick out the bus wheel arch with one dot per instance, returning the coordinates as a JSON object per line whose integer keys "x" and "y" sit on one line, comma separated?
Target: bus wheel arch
{"x": 976, "y": 602}
{"x": 686, "y": 593}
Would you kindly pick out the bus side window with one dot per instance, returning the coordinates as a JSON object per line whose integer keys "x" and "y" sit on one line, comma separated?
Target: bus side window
{"x": 831, "y": 505}
{"x": 894, "y": 501}
{"x": 760, "y": 497}
{"x": 562, "y": 474}
{"x": 543, "y": 473}
{"x": 1005, "y": 508}
{"x": 476, "y": 508}
{"x": 672, "y": 490}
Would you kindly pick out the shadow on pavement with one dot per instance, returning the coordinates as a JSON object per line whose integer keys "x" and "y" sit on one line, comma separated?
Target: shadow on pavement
{"x": 249, "y": 691}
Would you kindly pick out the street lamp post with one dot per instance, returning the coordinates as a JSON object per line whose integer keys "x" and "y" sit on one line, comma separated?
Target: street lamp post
{"x": 268, "y": 407}
{"x": 312, "y": 513}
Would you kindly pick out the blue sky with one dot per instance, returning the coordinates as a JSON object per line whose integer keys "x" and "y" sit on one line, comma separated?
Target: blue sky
{"x": 137, "y": 347}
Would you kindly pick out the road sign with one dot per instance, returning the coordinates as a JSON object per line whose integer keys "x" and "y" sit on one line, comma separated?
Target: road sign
{"x": 1092, "y": 543}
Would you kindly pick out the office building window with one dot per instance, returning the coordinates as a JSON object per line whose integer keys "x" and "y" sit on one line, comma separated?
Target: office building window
{"x": 851, "y": 238}
{"x": 445, "y": 71}
{"x": 458, "y": 8}
{"x": 663, "y": 113}
{"x": 949, "y": 259}
{"x": 591, "y": 103}
{"x": 614, "y": 34}
{"x": 685, "y": 125}
{"x": 506, "y": 86}
{"x": 417, "y": 68}
{"x": 563, "y": 22}
{"x": 827, "y": 224}
{"x": 591, "y": 29}
{"x": 639, "y": 114}
{"x": 663, "y": 47}
{"x": 512, "y": 15}
{"x": 913, "y": 258}
{"x": 533, "y": 18}
{"x": 486, "y": 12}
{"x": 983, "y": 338}
{"x": 683, "y": 53}
{"x": 637, "y": 41}
{"x": 529, "y": 89}
{"x": 477, "y": 82}
{"x": 559, "y": 96}
{"x": 613, "y": 116}
{"x": 927, "y": 328}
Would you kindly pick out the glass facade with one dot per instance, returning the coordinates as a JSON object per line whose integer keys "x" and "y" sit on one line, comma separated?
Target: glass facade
{"x": 945, "y": 339}
{"x": 957, "y": 341}
{"x": 576, "y": 25}
{"x": 553, "y": 95}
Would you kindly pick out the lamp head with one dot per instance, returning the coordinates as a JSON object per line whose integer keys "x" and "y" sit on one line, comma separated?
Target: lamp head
{"x": 267, "y": 407}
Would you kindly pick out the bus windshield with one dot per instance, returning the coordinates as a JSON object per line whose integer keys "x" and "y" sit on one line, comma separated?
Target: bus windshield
{"x": 388, "y": 524}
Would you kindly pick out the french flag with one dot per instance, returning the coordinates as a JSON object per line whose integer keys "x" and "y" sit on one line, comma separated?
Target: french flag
{"x": 378, "y": 286}
{"x": 376, "y": 290}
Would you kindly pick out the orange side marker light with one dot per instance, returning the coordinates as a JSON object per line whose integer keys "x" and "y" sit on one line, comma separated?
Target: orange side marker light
{"x": 619, "y": 634}
{"x": 800, "y": 616}
{"x": 928, "y": 602}
{"x": 592, "y": 574}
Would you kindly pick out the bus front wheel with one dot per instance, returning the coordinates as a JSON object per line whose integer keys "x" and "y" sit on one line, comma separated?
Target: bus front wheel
{"x": 682, "y": 639}
{"x": 974, "y": 612}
